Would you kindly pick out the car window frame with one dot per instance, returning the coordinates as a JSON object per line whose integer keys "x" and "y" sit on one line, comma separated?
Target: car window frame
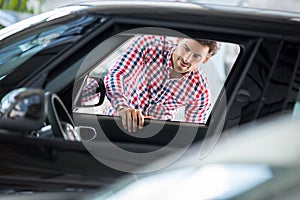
{"x": 92, "y": 110}
{"x": 244, "y": 42}
{"x": 247, "y": 44}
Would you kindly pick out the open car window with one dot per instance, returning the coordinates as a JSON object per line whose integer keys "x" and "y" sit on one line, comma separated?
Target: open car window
{"x": 93, "y": 95}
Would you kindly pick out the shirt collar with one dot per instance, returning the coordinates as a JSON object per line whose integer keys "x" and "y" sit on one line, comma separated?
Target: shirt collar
{"x": 169, "y": 64}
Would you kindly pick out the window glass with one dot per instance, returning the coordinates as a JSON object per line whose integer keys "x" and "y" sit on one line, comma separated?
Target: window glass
{"x": 296, "y": 111}
{"x": 214, "y": 71}
{"x": 14, "y": 52}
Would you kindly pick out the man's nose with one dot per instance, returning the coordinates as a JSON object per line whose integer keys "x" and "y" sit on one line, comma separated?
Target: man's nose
{"x": 187, "y": 57}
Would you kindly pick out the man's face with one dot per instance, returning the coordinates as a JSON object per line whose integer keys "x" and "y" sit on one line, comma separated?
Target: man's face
{"x": 188, "y": 55}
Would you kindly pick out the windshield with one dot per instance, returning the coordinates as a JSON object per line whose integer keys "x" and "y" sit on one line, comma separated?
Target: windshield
{"x": 37, "y": 19}
{"x": 17, "y": 49}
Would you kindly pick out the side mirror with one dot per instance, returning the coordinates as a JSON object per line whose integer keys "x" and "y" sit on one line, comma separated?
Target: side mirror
{"x": 22, "y": 110}
{"x": 93, "y": 92}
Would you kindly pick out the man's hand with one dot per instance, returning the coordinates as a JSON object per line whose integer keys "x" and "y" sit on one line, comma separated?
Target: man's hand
{"x": 131, "y": 119}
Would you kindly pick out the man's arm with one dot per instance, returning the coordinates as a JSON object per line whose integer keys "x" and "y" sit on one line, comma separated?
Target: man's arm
{"x": 116, "y": 89}
{"x": 198, "y": 111}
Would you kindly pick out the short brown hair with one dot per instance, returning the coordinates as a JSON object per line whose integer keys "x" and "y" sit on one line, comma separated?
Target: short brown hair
{"x": 214, "y": 46}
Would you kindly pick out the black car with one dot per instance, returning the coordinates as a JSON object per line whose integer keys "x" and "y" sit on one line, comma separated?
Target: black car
{"x": 54, "y": 141}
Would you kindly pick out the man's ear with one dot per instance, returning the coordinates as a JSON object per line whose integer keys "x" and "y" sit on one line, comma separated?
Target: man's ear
{"x": 206, "y": 59}
{"x": 178, "y": 40}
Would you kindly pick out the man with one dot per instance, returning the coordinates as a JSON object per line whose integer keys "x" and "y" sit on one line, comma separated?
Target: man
{"x": 155, "y": 77}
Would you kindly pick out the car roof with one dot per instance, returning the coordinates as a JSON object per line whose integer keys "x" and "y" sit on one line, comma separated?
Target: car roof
{"x": 190, "y": 6}
{"x": 162, "y": 9}
{"x": 273, "y": 141}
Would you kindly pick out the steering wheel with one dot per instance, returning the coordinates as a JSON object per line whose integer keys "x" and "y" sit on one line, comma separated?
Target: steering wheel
{"x": 60, "y": 120}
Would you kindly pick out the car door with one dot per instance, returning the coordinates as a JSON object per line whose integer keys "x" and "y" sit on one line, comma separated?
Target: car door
{"x": 239, "y": 90}
{"x": 263, "y": 57}
{"x": 157, "y": 134}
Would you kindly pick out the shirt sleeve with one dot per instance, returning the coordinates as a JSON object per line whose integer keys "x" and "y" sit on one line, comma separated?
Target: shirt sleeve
{"x": 198, "y": 110}
{"x": 122, "y": 71}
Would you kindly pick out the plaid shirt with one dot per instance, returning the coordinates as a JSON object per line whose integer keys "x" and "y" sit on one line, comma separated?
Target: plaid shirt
{"x": 89, "y": 93}
{"x": 140, "y": 79}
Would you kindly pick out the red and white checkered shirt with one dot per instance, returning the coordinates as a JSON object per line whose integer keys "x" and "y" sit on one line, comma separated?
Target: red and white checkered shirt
{"x": 141, "y": 79}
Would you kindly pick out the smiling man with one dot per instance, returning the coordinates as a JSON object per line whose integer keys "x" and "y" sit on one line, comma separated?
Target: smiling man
{"x": 154, "y": 77}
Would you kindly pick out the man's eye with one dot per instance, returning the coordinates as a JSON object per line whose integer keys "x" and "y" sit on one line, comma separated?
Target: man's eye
{"x": 197, "y": 56}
